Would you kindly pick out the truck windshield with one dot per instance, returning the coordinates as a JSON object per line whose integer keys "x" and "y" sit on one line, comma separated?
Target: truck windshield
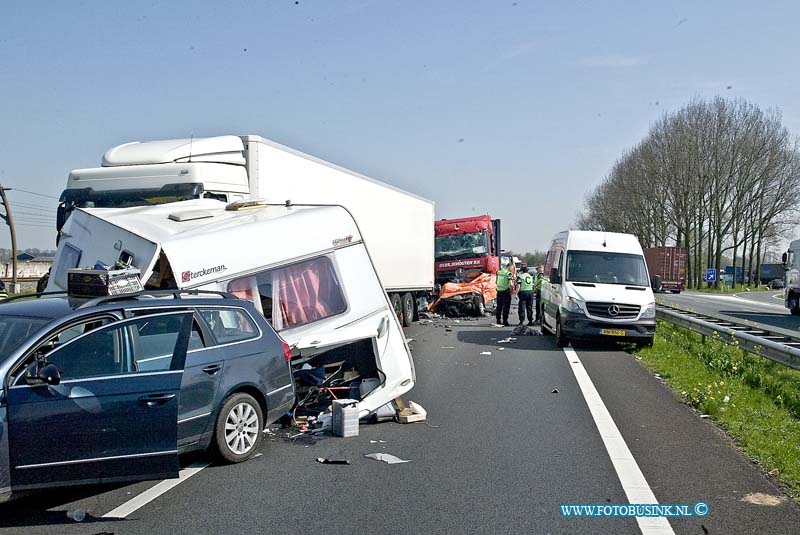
{"x": 462, "y": 245}
{"x": 16, "y": 329}
{"x": 606, "y": 268}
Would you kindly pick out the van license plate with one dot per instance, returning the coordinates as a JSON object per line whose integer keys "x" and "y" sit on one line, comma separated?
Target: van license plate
{"x": 612, "y": 332}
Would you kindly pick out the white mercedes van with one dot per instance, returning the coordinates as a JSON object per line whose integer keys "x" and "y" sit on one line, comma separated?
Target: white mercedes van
{"x": 598, "y": 286}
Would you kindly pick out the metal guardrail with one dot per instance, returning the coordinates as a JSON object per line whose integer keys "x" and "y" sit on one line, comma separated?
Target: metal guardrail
{"x": 775, "y": 346}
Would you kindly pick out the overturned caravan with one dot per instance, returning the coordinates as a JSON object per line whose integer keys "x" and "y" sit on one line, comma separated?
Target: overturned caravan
{"x": 306, "y": 268}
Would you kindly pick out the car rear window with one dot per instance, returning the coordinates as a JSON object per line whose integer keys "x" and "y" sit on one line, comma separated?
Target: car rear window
{"x": 229, "y": 325}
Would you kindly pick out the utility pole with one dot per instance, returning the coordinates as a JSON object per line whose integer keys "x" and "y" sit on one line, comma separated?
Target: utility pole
{"x": 10, "y": 221}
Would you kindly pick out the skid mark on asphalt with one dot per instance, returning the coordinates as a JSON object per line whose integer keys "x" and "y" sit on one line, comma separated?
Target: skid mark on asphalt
{"x": 630, "y": 476}
{"x": 155, "y": 491}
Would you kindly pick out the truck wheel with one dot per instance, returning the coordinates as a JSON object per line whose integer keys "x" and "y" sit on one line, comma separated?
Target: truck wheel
{"x": 238, "y": 428}
{"x": 397, "y": 305}
{"x": 794, "y": 308}
{"x": 408, "y": 309}
{"x": 561, "y": 340}
{"x": 480, "y": 306}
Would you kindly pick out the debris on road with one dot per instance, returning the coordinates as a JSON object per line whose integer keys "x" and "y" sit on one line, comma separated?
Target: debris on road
{"x": 324, "y": 460}
{"x": 489, "y": 353}
{"x": 78, "y": 515}
{"x": 555, "y": 391}
{"x": 448, "y": 347}
{"x": 500, "y": 348}
{"x": 377, "y": 442}
{"x": 385, "y": 457}
{"x": 522, "y": 330}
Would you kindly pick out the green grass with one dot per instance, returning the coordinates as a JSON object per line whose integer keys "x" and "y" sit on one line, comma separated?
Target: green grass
{"x": 754, "y": 399}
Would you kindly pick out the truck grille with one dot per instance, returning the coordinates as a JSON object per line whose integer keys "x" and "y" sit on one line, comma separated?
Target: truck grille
{"x": 606, "y": 310}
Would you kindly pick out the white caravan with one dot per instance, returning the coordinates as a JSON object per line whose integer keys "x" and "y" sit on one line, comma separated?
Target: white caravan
{"x": 598, "y": 287}
{"x": 397, "y": 225}
{"x": 307, "y": 269}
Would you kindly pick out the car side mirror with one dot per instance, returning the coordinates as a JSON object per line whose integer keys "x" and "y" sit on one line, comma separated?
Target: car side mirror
{"x": 49, "y": 374}
{"x": 555, "y": 277}
{"x": 785, "y": 260}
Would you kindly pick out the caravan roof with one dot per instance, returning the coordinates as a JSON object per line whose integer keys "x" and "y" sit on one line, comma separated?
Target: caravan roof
{"x": 202, "y": 239}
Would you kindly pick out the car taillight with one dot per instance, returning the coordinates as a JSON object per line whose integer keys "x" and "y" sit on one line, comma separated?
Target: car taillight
{"x": 287, "y": 351}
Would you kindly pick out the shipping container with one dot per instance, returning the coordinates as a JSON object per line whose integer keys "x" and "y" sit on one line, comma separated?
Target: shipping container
{"x": 669, "y": 265}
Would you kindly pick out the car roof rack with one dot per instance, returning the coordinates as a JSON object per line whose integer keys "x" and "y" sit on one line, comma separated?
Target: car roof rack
{"x": 175, "y": 294}
{"x": 28, "y": 296}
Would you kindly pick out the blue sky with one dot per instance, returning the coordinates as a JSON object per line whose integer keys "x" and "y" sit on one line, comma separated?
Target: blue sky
{"x": 512, "y": 108}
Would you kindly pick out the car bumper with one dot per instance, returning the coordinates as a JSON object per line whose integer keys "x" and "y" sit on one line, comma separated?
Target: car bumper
{"x": 579, "y": 326}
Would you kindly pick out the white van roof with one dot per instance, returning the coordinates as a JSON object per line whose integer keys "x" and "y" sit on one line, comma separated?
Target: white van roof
{"x": 243, "y": 240}
{"x": 590, "y": 240}
{"x": 220, "y": 149}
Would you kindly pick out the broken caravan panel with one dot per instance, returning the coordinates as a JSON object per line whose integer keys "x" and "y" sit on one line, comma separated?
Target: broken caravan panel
{"x": 211, "y": 248}
{"x": 86, "y": 239}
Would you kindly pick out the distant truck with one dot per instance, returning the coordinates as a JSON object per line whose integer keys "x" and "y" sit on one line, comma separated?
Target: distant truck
{"x": 667, "y": 268}
{"x": 397, "y": 225}
{"x": 791, "y": 265}
{"x": 466, "y": 247}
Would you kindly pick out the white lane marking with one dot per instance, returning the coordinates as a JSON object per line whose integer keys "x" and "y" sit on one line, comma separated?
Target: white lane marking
{"x": 155, "y": 491}
{"x": 630, "y": 476}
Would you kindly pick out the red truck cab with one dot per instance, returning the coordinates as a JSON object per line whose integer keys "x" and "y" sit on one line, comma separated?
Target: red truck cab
{"x": 469, "y": 244}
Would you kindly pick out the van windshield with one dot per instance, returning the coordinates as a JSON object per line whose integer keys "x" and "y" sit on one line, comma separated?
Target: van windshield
{"x": 606, "y": 268}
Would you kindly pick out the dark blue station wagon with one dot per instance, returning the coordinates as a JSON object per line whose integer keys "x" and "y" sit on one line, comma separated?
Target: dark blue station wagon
{"x": 113, "y": 389}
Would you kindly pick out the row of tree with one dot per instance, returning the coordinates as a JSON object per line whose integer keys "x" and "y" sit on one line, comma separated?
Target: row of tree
{"x": 720, "y": 177}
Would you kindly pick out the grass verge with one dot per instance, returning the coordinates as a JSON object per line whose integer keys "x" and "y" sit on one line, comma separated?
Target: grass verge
{"x": 754, "y": 399}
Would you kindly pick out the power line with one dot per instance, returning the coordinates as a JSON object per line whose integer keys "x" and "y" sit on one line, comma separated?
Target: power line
{"x": 32, "y": 193}
{"x": 34, "y": 206}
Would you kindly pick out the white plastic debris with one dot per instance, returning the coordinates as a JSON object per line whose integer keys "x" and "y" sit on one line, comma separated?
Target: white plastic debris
{"x": 500, "y": 348}
{"x": 385, "y": 457}
{"x": 377, "y": 442}
{"x": 448, "y": 347}
{"x": 486, "y": 353}
{"x": 77, "y": 515}
{"x": 416, "y": 408}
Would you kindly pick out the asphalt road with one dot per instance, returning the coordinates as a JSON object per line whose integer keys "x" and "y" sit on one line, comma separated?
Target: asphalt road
{"x": 760, "y": 308}
{"x": 505, "y": 453}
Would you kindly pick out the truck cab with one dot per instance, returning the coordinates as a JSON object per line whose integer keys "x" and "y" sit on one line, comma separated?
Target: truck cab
{"x": 468, "y": 247}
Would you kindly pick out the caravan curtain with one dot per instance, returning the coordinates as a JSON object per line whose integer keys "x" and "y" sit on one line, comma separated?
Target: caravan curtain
{"x": 308, "y": 292}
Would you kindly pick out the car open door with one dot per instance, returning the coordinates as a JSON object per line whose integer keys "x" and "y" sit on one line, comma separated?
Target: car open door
{"x": 107, "y": 418}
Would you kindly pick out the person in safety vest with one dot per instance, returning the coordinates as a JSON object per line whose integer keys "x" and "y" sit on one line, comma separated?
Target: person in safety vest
{"x": 3, "y": 292}
{"x": 525, "y": 294}
{"x": 537, "y": 287}
{"x": 503, "y": 295}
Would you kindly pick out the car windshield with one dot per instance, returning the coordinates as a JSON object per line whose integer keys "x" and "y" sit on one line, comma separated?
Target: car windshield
{"x": 462, "y": 246}
{"x": 606, "y": 268}
{"x": 16, "y": 329}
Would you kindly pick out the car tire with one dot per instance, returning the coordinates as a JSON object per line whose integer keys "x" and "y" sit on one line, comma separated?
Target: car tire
{"x": 561, "y": 340}
{"x": 235, "y": 438}
{"x": 408, "y": 309}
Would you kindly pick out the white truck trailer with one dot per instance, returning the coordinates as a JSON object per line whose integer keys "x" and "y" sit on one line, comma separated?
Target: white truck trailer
{"x": 397, "y": 225}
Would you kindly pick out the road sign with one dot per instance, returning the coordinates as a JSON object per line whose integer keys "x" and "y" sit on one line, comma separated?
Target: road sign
{"x": 711, "y": 275}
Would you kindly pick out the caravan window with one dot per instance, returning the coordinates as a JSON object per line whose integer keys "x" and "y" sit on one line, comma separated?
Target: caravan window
{"x": 294, "y": 295}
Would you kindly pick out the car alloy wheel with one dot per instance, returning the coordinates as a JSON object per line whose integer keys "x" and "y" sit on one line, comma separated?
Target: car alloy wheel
{"x": 241, "y": 428}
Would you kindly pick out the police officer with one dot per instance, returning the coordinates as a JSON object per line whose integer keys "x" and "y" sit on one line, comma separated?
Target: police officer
{"x": 537, "y": 285}
{"x": 503, "y": 295}
{"x": 525, "y": 295}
